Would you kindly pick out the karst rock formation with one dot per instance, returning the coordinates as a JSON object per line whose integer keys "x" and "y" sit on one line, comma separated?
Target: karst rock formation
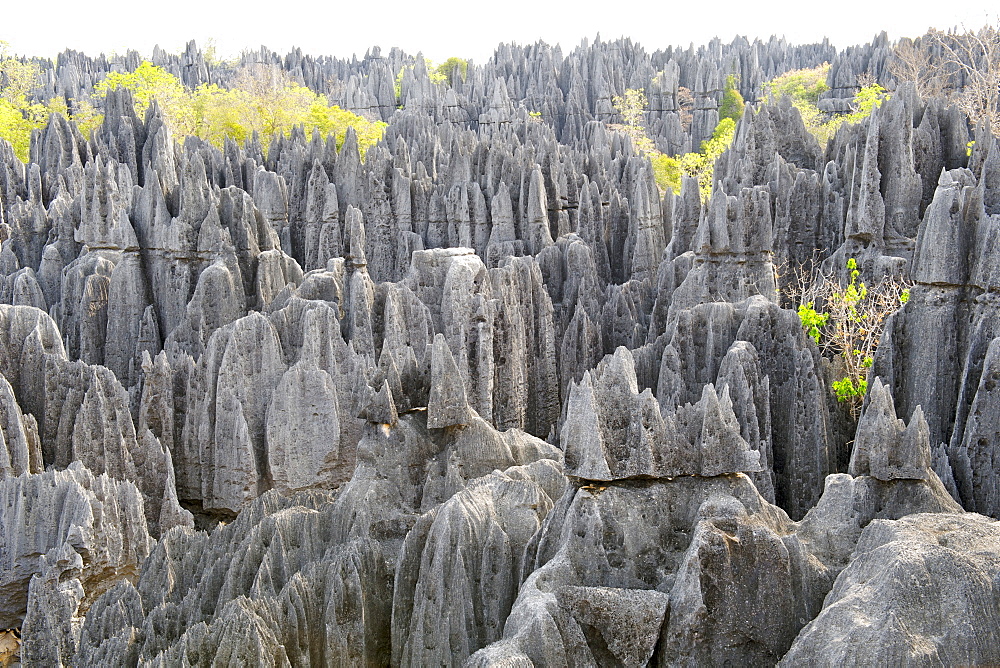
{"x": 489, "y": 396}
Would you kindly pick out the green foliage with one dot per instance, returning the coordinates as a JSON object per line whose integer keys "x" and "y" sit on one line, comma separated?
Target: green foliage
{"x": 263, "y": 100}
{"x": 812, "y": 320}
{"x": 669, "y": 170}
{"x": 331, "y": 119}
{"x": 18, "y": 115}
{"x": 452, "y": 69}
{"x": 15, "y": 128}
{"x": 847, "y": 391}
{"x": 218, "y": 113}
{"x": 803, "y": 88}
{"x": 433, "y": 73}
{"x": 19, "y": 78}
{"x": 721, "y": 138}
{"x": 732, "y": 101}
{"x": 701, "y": 165}
{"x": 397, "y": 85}
{"x": 632, "y": 107}
{"x": 865, "y": 102}
{"x": 147, "y": 82}
{"x": 850, "y": 328}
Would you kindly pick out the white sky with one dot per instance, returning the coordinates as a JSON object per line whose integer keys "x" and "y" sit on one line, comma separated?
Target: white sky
{"x": 443, "y": 28}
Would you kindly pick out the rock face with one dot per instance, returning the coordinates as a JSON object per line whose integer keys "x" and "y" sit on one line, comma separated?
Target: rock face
{"x": 614, "y": 433}
{"x": 949, "y": 566}
{"x": 63, "y": 527}
{"x": 288, "y": 407}
{"x": 884, "y": 447}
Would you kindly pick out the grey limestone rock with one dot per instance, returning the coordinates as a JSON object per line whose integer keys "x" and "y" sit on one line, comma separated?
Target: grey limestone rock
{"x": 627, "y": 622}
{"x": 800, "y": 453}
{"x": 223, "y": 451}
{"x": 604, "y": 541}
{"x": 302, "y": 430}
{"x": 68, "y": 524}
{"x": 87, "y": 419}
{"x": 21, "y": 450}
{"x": 975, "y": 455}
{"x": 51, "y": 626}
{"x": 884, "y": 447}
{"x": 716, "y": 618}
{"x": 447, "y": 404}
{"x": 312, "y": 573}
{"x": 935, "y": 349}
{"x": 459, "y": 569}
{"x": 71, "y": 411}
{"x": 920, "y": 590}
{"x": 526, "y": 372}
{"x": 382, "y": 409}
{"x": 732, "y": 252}
{"x": 352, "y": 358}
{"x": 740, "y": 374}
{"x": 612, "y": 432}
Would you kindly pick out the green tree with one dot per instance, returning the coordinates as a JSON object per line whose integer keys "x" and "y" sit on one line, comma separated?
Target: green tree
{"x": 847, "y": 321}
{"x": 732, "y": 101}
{"x": 865, "y": 101}
{"x": 263, "y": 99}
{"x": 84, "y": 114}
{"x": 146, "y": 83}
{"x": 331, "y": 119}
{"x": 453, "y": 69}
{"x": 16, "y": 129}
{"x": 632, "y": 107}
{"x": 803, "y": 88}
{"x": 669, "y": 170}
{"x": 18, "y": 114}
{"x": 218, "y": 113}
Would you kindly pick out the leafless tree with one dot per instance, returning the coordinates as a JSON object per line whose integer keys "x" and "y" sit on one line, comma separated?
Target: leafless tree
{"x": 912, "y": 60}
{"x": 973, "y": 59}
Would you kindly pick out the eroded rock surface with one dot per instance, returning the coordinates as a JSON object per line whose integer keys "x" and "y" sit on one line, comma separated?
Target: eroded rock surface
{"x": 485, "y": 394}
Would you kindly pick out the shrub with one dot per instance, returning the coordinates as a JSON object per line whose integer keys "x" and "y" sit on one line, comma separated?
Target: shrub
{"x": 18, "y": 115}
{"x": 732, "y": 101}
{"x": 632, "y": 107}
{"x": 803, "y": 88}
{"x": 668, "y": 170}
{"x": 847, "y": 321}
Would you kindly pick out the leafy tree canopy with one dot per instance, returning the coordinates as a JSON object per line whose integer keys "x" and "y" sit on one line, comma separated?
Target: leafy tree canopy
{"x": 732, "y": 101}
{"x": 669, "y": 170}
{"x": 803, "y": 88}
{"x": 452, "y": 69}
{"x": 18, "y": 115}
{"x": 263, "y": 100}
